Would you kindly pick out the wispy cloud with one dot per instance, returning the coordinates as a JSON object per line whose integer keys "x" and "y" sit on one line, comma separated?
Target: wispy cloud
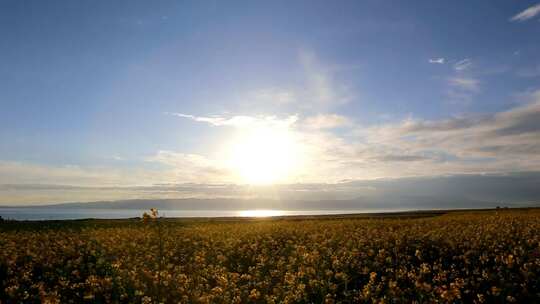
{"x": 276, "y": 96}
{"x": 465, "y": 83}
{"x": 185, "y": 167}
{"x": 326, "y": 121}
{"x": 318, "y": 88}
{"x": 462, "y": 89}
{"x": 471, "y": 144}
{"x": 217, "y": 120}
{"x": 503, "y": 140}
{"x": 240, "y": 120}
{"x": 496, "y": 142}
{"x": 463, "y": 64}
{"x": 527, "y": 14}
{"x": 437, "y": 60}
{"x": 76, "y": 175}
{"x": 530, "y": 71}
{"x": 321, "y": 90}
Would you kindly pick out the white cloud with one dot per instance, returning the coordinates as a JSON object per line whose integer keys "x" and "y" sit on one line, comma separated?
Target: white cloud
{"x": 509, "y": 139}
{"x": 30, "y": 173}
{"x": 176, "y": 159}
{"x": 463, "y": 64}
{"x": 117, "y": 158}
{"x": 437, "y": 60}
{"x": 240, "y": 120}
{"x": 492, "y": 142}
{"x": 326, "y": 121}
{"x": 527, "y": 14}
{"x": 217, "y": 120}
{"x": 176, "y": 167}
{"x": 184, "y": 167}
{"x": 499, "y": 142}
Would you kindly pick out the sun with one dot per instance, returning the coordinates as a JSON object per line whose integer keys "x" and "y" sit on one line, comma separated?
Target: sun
{"x": 265, "y": 155}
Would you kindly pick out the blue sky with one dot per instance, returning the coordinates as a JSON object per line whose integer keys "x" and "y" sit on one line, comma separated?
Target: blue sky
{"x": 91, "y": 91}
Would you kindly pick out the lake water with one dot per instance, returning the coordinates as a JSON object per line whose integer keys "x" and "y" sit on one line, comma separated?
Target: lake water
{"x": 72, "y": 213}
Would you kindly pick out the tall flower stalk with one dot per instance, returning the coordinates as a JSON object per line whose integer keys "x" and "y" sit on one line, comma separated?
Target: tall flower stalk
{"x": 153, "y": 216}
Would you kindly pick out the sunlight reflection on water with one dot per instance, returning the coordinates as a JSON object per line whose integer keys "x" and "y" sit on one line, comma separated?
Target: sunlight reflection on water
{"x": 32, "y": 213}
{"x": 261, "y": 213}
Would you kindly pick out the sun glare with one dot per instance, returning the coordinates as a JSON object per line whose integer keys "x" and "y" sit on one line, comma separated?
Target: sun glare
{"x": 265, "y": 155}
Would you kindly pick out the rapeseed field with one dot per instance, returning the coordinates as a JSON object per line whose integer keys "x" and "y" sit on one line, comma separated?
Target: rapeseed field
{"x": 468, "y": 257}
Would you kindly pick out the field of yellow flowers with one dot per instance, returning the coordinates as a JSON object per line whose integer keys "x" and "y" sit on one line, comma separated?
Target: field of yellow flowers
{"x": 467, "y": 257}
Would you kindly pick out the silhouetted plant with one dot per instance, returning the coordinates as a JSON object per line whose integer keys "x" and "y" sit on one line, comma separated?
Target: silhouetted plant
{"x": 153, "y": 218}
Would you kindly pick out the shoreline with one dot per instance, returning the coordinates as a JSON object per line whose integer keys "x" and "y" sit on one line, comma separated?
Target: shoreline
{"x": 421, "y": 213}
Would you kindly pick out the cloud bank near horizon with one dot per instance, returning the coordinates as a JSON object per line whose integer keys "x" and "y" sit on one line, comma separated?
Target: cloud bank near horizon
{"x": 456, "y": 191}
{"x": 335, "y": 148}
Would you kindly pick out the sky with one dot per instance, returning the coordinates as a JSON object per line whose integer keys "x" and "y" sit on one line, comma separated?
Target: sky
{"x": 137, "y": 99}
